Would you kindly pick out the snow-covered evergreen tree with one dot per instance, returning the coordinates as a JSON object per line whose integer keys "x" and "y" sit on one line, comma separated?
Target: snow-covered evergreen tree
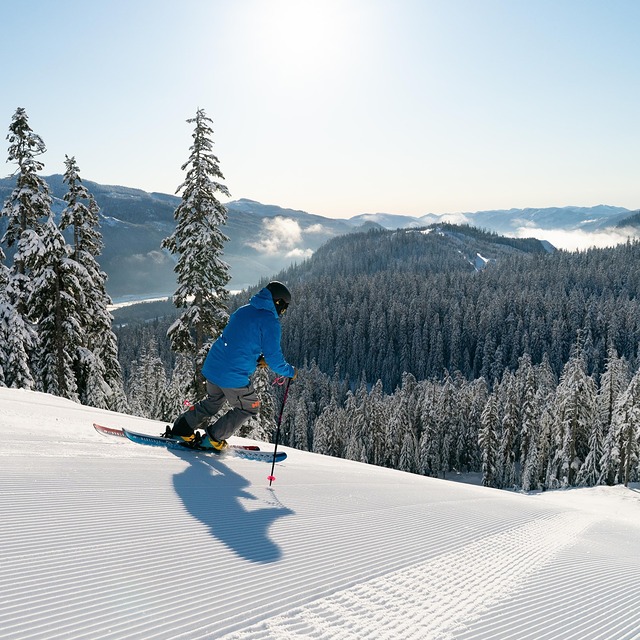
{"x": 408, "y": 460}
{"x": 96, "y": 364}
{"x": 377, "y": 417}
{"x": 488, "y": 441}
{"x": 357, "y": 437}
{"x": 400, "y": 422}
{"x": 25, "y": 208}
{"x": 56, "y": 302}
{"x": 4, "y": 309}
{"x": 448, "y": 421}
{"x": 574, "y": 413}
{"x": 509, "y": 416}
{"x": 409, "y": 407}
{"x": 21, "y": 341}
{"x": 299, "y": 420}
{"x": 148, "y": 382}
{"x": 613, "y": 382}
{"x": 630, "y": 433}
{"x": 174, "y": 397}
{"x": 622, "y": 447}
{"x": 198, "y": 242}
{"x": 530, "y": 431}
{"x": 446, "y": 417}
{"x": 429, "y": 450}
{"x": 329, "y": 429}
{"x": 29, "y": 201}
{"x": 472, "y": 398}
{"x": 353, "y": 436}
{"x": 299, "y": 413}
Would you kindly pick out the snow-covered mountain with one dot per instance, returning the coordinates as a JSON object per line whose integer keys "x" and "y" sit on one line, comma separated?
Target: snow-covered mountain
{"x": 563, "y": 218}
{"x": 511, "y": 221}
{"x": 263, "y": 239}
{"x": 101, "y": 538}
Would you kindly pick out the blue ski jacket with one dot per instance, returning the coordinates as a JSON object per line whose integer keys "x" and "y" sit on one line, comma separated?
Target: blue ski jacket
{"x": 252, "y": 330}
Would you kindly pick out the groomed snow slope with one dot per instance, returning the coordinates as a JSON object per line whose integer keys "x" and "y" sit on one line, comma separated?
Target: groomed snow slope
{"x": 102, "y": 538}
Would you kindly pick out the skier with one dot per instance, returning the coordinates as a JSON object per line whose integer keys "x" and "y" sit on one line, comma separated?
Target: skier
{"x": 250, "y": 339}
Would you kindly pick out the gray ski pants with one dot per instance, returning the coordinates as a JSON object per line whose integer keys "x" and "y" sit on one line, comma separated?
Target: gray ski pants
{"x": 244, "y": 404}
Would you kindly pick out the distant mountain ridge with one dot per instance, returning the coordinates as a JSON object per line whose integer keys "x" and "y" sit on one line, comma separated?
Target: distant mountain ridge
{"x": 512, "y": 220}
{"x": 263, "y": 239}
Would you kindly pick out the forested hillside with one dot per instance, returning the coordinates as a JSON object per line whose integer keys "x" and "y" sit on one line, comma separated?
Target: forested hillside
{"x": 380, "y": 312}
{"x": 455, "y": 350}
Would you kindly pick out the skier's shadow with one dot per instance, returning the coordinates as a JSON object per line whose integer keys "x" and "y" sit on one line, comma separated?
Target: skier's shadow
{"x": 214, "y": 494}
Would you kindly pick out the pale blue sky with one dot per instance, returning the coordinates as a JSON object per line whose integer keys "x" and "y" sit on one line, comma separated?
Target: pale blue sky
{"x": 339, "y": 107}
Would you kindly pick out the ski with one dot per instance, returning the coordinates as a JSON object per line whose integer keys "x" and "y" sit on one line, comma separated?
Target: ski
{"x": 109, "y": 431}
{"x": 120, "y": 433}
{"x": 236, "y": 451}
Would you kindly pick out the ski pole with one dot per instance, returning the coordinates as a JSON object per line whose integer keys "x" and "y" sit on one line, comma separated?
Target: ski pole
{"x": 271, "y": 477}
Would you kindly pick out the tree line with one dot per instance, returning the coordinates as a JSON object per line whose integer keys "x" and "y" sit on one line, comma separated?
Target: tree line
{"x": 529, "y": 431}
{"x": 55, "y": 329}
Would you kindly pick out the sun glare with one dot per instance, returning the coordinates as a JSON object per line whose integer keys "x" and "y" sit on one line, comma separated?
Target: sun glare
{"x": 295, "y": 35}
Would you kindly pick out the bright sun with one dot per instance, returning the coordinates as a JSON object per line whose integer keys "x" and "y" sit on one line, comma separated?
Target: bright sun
{"x": 294, "y": 35}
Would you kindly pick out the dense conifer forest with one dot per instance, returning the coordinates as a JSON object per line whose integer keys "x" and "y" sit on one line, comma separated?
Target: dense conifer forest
{"x": 383, "y": 321}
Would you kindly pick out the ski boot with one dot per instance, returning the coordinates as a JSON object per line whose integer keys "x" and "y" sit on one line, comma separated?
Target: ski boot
{"x": 182, "y": 433}
{"x": 209, "y": 443}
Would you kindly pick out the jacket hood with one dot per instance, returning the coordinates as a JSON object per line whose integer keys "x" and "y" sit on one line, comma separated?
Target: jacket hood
{"x": 264, "y": 300}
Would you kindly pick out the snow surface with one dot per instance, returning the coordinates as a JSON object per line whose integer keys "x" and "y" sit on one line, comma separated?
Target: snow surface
{"x": 102, "y": 538}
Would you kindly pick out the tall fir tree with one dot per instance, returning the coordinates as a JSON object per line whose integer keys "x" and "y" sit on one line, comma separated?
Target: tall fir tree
{"x": 56, "y": 302}
{"x": 377, "y": 418}
{"x": 488, "y": 441}
{"x": 430, "y": 451}
{"x": 447, "y": 420}
{"x": 329, "y": 429}
{"x": 355, "y": 435}
{"x": 630, "y": 433}
{"x": 574, "y": 412}
{"x": 20, "y": 344}
{"x": 402, "y": 429}
{"x": 148, "y": 382}
{"x": 29, "y": 201}
{"x": 510, "y": 420}
{"x": 174, "y": 397}
{"x": 359, "y": 434}
{"x": 96, "y": 364}
{"x": 4, "y": 311}
{"x": 28, "y": 204}
{"x": 530, "y": 429}
{"x": 409, "y": 459}
{"x": 613, "y": 382}
{"x": 622, "y": 446}
{"x": 198, "y": 242}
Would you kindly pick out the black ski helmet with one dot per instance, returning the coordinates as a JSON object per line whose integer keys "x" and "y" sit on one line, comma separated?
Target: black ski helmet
{"x": 281, "y": 296}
